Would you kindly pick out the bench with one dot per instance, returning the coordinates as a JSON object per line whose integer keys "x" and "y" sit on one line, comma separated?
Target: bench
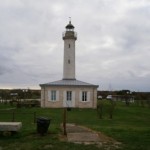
{"x": 12, "y": 127}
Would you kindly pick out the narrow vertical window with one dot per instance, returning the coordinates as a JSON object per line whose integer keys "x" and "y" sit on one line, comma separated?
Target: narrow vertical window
{"x": 84, "y": 96}
{"x": 53, "y": 95}
{"x": 68, "y": 61}
{"x": 69, "y": 95}
{"x": 69, "y": 45}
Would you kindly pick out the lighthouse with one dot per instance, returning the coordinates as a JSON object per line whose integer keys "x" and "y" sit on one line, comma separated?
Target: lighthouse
{"x": 69, "y": 92}
{"x": 69, "y": 37}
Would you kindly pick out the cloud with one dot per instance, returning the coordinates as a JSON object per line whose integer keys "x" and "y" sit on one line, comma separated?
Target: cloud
{"x": 113, "y": 42}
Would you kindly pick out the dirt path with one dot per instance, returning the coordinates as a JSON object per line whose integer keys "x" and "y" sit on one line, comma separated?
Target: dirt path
{"x": 84, "y": 135}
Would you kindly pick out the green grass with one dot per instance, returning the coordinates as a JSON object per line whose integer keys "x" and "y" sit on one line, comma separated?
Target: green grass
{"x": 130, "y": 125}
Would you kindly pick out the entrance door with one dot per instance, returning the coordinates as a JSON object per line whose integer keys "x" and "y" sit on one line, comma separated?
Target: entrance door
{"x": 69, "y": 99}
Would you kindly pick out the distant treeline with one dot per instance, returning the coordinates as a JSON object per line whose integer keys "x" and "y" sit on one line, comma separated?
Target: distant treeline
{"x": 7, "y": 94}
{"x": 136, "y": 95}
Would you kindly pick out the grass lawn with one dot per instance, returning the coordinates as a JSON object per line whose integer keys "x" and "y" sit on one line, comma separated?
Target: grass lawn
{"x": 130, "y": 125}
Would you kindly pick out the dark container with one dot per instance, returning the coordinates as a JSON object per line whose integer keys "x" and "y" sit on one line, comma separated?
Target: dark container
{"x": 42, "y": 125}
{"x": 68, "y": 109}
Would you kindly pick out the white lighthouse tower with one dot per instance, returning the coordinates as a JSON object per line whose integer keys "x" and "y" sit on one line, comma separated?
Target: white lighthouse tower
{"x": 69, "y": 37}
{"x": 69, "y": 92}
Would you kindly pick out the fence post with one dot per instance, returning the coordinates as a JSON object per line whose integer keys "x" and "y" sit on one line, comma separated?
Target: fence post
{"x": 13, "y": 116}
{"x": 34, "y": 115}
{"x": 64, "y": 120}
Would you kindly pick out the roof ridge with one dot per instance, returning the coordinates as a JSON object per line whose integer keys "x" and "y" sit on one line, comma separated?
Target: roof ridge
{"x": 68, "y": 82}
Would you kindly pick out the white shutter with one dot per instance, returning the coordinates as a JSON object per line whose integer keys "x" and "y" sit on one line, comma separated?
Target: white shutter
{"x": 88, "y": 96}
{"x": 49, "y": 95}
{"x": 80, "y": 96}
{"x": 73, "y": 98}
{"x": 64, "y": 98}
{"x": 57, "y": 95}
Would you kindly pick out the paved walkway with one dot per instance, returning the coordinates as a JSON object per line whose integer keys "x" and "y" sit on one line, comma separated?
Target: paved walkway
{"x": 80, "y": 134}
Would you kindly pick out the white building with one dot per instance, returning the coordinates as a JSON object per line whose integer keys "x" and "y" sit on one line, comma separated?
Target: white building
{"x": 69, "y": 92}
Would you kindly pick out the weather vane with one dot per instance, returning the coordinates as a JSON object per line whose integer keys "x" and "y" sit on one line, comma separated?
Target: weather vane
{"x": 70, "y": 19}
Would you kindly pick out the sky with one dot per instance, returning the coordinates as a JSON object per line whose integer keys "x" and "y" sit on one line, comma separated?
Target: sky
{"x": 112, "y": 47}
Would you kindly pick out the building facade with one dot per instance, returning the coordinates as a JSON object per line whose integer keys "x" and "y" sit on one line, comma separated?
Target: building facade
{"x": 69, "y": 92}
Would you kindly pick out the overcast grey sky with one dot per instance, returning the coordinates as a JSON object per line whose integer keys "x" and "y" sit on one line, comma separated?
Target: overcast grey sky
{"x": 112, "y": 49}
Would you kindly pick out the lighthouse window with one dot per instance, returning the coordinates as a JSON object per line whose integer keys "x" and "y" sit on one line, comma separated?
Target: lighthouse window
{"x": 53, "y": 95}
{"x": 69, "y": 95}
{"x": 84, "y": 96}
{"x": 69, "y": 61}
{"x": 69, "y": 45}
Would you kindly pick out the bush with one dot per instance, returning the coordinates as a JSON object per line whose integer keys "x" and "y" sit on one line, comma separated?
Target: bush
{"x": 106, "y": 107}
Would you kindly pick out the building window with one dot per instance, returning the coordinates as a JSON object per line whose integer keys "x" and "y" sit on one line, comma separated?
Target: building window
{"x": 68, "y": 61}
{"x": 69, "y": 45}
{"x": 53, "y": 95}
{"x": 69, "y": 95}
{"x": 84, "y": 96}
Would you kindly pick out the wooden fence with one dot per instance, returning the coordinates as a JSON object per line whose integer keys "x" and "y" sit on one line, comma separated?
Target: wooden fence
{"x": 14, "y": 114}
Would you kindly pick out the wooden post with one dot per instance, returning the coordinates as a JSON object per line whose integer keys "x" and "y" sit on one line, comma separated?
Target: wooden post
{"x": 64, "y": 121}
{"x": 13, "y": 116}
{"x": 34, "y": 117}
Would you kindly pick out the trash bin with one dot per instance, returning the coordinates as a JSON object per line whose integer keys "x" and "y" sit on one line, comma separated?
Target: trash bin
{"x": 68, "y": 109}
{"x": 42, "y": 125}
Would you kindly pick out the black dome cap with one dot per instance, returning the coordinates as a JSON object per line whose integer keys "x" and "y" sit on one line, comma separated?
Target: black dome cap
{"x": 69, "y": 26}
